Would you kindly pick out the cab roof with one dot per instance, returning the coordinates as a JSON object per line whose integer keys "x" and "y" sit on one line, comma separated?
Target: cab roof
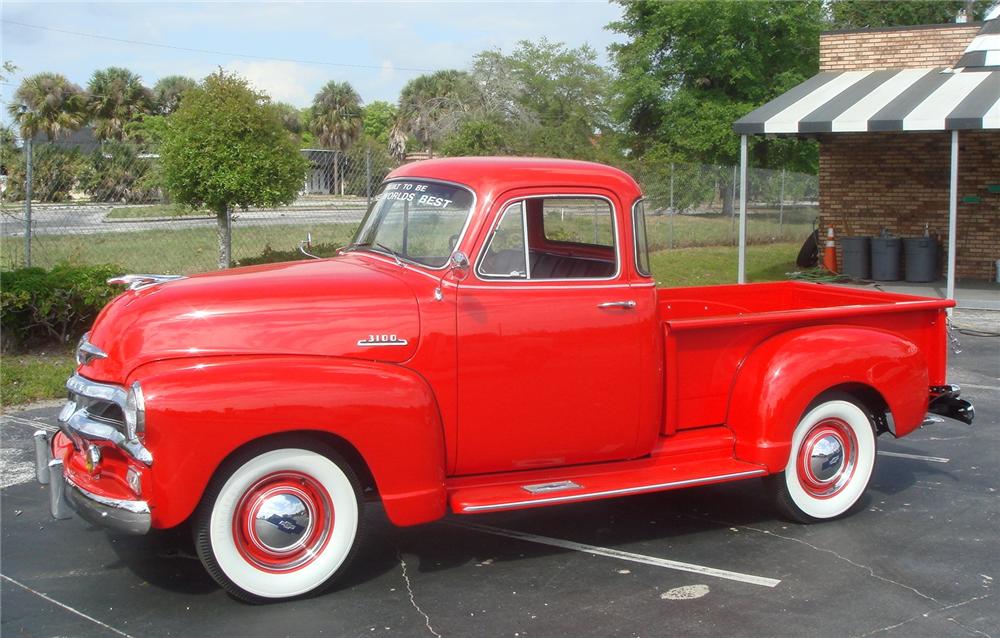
{"x": 490, "y": 176}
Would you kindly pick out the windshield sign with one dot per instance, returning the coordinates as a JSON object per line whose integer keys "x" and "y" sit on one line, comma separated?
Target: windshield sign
{"x": 416, "y": 220}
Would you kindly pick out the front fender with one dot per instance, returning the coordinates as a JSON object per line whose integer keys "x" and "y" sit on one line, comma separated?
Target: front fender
{"x": 784, "y": 374}
{"x": 200, "y": 410}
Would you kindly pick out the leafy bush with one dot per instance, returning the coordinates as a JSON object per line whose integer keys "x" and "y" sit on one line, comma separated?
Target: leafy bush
{"x": 39, "y": 307}
{"x": 54, "y": 173}
{"x": 116, "y": 173}
{"x": 271, "y": 256}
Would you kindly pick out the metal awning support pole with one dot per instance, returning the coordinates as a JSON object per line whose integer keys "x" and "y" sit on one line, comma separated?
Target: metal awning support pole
{"x": 952, "y": 215}
{"x": 742, "y": 268}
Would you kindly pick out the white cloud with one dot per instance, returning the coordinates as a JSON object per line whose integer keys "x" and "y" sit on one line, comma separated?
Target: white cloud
{"x": 283, "y": 81}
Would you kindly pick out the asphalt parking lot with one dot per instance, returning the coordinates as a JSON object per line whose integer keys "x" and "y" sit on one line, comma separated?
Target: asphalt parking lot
{"x": 921, "y": 558}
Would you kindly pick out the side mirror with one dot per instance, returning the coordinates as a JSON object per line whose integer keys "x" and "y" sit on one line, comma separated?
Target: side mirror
{"x": 459, "y": 261}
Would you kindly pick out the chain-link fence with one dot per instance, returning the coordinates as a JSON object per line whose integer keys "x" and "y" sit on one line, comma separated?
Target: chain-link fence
{"x": 104, "y": 203}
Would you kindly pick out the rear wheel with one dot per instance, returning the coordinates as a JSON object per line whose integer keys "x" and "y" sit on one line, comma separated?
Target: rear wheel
{"x": 831, "y": 462}
{"x": 279, "y": 522}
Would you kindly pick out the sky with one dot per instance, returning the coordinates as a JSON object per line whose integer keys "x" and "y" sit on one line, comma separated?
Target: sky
{"x": 388, "y": 43}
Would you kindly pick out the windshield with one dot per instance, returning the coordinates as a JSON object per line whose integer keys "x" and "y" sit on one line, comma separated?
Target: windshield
{"x": 417, "y": 220}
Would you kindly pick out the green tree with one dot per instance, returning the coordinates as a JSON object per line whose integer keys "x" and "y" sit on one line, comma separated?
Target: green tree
{"x": 226, "y": 147}
{"x": 552, "y": 99}
{"x": 48, "y": 103}
{"x": 857, "y": 14}
{"x": 433, "y": 105}
{"x": 116, "y": 98}
{"x": 377, "y": 119}
{"x": 478, "y": 136}
{"x": 689, "y": 69}
{"x": 291, "y": 118}
{"x": 169, "y": 91}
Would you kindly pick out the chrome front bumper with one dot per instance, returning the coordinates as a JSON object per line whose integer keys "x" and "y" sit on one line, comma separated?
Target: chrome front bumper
{"x": 130, "y": 517}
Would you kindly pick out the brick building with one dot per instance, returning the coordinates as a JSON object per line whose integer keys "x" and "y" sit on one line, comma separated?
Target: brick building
{"x": 885, "y": 108}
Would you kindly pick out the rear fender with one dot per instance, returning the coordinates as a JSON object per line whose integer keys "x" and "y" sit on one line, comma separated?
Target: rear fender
{"x": 784, "y": 374}
{"x": 201, "y": 410}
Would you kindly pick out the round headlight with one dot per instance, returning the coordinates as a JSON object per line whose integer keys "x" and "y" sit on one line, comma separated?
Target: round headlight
{"x": 135, "y": 412}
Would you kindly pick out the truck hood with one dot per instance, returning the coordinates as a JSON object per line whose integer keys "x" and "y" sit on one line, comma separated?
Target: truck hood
{"x": 327, "y": 307}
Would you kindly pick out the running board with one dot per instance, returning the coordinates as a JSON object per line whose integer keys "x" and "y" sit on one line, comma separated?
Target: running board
{"x": 579, "y": 484}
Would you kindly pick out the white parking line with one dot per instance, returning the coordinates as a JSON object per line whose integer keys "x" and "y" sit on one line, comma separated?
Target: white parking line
{"x": 64, "y": 606}
{"x": 615, "y": 553}
{"x": 979, "y": 387}
{"x": 37, "y": 425}
{"x": 918, "y": 457}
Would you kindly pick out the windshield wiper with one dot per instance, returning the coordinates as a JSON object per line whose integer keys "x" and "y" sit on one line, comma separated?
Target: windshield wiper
{"x": 395, "y": 255}
{"x": 368, "y": 244}
{"x": 354, "y": 245}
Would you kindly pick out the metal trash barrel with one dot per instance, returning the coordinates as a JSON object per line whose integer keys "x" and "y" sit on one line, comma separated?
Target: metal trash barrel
{"x": 886, "y": 254}
{"x": 857, "y": 257}
{"x": 921, "y": 258}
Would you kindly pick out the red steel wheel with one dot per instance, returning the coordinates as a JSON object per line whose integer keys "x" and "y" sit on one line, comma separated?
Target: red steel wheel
{"x": 283, "y": 521}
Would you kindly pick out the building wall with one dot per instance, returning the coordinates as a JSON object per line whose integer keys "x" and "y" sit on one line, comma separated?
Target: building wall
{"x": 894, "y": 48}
{"x": 900, "y": 181}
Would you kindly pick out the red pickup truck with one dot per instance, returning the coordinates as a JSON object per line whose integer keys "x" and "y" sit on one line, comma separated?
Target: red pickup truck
{"x": 492, "y": 340}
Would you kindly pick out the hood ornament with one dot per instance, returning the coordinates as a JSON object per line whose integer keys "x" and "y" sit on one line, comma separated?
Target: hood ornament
{"x": 87, "y": 352}
{"x": 137, "y": 282}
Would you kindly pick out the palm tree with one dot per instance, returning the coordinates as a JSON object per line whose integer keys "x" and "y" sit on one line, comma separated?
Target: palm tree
{"x": 48, "y": 103}
{"x": 336, "y": 116}
{"x": 336, "y": 119}
{"x": 117, "y": 97}
{"x": 168, "y": 92}
{"x": 431, "y": 106}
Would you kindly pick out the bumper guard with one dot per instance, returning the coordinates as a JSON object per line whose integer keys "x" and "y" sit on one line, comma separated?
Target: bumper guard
{"x": 65, "y": 496}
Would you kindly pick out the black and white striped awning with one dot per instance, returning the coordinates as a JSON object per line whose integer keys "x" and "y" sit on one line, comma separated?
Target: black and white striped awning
{"x": 884, "y": 100}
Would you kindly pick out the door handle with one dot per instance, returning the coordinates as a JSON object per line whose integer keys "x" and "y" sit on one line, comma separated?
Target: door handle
{"x": 617, "y": 304}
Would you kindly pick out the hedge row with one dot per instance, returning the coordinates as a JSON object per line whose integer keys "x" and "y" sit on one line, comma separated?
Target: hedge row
{"x": 43, "y": 307}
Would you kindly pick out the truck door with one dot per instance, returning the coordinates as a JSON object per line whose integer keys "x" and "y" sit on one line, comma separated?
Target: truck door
{"x": 548, "y": 343}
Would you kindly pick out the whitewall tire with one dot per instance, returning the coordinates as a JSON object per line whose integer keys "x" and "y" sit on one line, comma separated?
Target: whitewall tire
{"x": 831, "y": 462}
{"x": 279, "y": 522}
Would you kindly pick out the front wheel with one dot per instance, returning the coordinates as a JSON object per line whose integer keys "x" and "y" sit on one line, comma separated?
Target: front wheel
{"x": 831, "y": 462}
{"x": 278, "y": 522}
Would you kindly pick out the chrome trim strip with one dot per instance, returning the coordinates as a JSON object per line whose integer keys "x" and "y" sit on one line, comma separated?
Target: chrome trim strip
{"x": 131, "y": 517}
{"x": 555, "y": 486}
{"x": 95, "y": 390}
{"x": 622, "y": 491}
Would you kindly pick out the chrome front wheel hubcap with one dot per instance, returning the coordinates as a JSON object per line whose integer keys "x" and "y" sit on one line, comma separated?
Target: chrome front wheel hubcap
{"x": 283, "y": 522}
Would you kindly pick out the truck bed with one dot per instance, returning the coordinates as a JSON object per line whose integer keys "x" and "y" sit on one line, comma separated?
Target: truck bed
{"x": 708, "y": 331}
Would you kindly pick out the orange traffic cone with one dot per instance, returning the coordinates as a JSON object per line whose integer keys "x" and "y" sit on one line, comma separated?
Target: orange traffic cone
{"x": 830, "y": 252}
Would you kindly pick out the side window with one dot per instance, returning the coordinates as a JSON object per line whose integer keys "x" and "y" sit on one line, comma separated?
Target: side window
{"x": 641, "y": 243}
{"x": 542, "y": 238}
{"x": 504, "y": 256}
